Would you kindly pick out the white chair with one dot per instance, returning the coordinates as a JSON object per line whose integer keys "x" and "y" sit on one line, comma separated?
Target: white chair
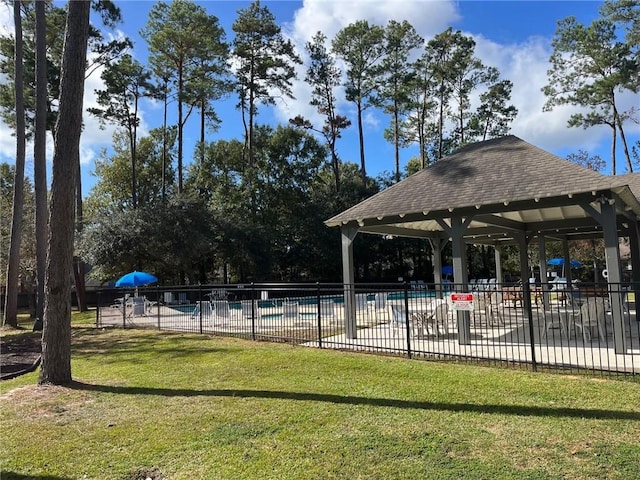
{"x": 202, "y": 311}
{"x": 149, "y": 304}
{"x": 592, "y": 314}
{"x": 495, "y": 309}
{"x": 120, "y": 302}
{"x": 436, "y": 316}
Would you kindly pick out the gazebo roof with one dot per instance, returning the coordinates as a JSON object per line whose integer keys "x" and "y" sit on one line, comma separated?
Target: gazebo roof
{"x": 504, "y": 184}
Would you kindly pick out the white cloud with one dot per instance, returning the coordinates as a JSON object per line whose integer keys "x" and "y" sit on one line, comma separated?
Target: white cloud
{"x": 526, "y": 65}
{"x": 330, "y": 16}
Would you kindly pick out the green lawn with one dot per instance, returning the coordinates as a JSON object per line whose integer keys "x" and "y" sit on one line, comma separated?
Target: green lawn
{"x": 182, "y": 406}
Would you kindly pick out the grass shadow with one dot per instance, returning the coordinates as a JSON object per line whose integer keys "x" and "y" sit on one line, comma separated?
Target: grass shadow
{"x": 6, "y": 475}
{"x": 521, "y": 410}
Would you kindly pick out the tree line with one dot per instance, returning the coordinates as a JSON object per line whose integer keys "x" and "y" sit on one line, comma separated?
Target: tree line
{"x": 252, "y": 208}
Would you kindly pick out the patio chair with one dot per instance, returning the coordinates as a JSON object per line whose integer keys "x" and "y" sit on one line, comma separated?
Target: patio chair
{"x": 480, "y": 307}
{"x": 398, "y": 318}
{"x": 120, "y": 302}
{"x": 203, "y": 310}
{"x": 592, "y": 314}
{"x": 495, "y": 309}
{"x": 437, "y": 316}
{"x": 149, "y": 304}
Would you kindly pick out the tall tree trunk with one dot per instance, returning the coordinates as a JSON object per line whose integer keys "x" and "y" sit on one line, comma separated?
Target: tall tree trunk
{"x": 613, "y": 148}
{"x": 40, "y": 159}
{"x": 56, "y": 337}
{"x": 180, "y": 128}
{"x": 624, "y": 140}
{"x": 132, "y": 150}
{"x": 203, "y": 106}
{"x": 13, "y": 267}
{"x": 396, "y": 140}
{"x": 164, "y": 141}
{"x": 361, "y": 142}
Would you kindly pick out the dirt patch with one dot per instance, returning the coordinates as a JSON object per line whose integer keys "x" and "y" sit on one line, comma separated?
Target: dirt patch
{"x": 19, "y": 353}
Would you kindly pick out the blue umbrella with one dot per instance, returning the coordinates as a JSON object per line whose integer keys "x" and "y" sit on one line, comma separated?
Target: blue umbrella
{"x": 135, "y": 279}
{"x": 447, "y": 270}
{"x": 560, "y": 261}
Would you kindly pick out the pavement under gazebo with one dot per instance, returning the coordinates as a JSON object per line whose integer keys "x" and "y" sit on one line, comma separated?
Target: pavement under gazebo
{"x": 500, "y": 191}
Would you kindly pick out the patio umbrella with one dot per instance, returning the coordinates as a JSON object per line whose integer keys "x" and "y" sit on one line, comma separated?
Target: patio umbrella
{"x": 560, "y": 261}
{"x": 136, "y": 279}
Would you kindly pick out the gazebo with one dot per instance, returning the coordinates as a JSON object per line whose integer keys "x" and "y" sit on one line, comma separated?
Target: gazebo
{"x": 499, "y": 191}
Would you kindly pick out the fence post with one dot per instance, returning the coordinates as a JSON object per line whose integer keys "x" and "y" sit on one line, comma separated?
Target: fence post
{"x": 526, "y": 292}
{"x": 319, "y": 319}
{"x": 200, "y": 308}
{"x": 124, "y": 311}
{"x": 406, "y": 318}
{"x": 253, "y": 300}
{"x": 158, "y": 305}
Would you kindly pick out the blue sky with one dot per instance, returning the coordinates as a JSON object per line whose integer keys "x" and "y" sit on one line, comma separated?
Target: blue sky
{"x": 513, "y": 36}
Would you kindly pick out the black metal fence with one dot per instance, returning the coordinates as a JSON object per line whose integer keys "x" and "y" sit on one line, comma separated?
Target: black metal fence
{"x": 591, "y": 328}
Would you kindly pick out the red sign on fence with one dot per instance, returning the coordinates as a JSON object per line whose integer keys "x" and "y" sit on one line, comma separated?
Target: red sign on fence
{"x": 462, "y": 301}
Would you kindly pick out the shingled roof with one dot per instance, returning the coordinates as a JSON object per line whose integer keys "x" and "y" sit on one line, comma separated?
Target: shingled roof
{"x": 504, "y": 177}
